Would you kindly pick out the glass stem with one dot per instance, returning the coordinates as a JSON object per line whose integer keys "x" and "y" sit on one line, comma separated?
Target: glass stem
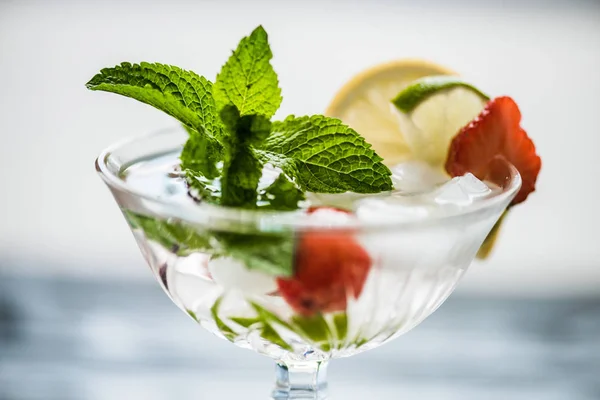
{"x": 301, "y": 380}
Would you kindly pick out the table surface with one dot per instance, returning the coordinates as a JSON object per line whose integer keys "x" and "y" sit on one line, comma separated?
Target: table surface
{"x": 72, "y": 339}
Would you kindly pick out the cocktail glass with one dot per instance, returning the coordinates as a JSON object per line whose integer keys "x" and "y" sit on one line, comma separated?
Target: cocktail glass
{"x": 415, "y": 262}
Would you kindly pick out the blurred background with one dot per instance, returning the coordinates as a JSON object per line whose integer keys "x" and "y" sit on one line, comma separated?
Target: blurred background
{"x": 81, "y": 316}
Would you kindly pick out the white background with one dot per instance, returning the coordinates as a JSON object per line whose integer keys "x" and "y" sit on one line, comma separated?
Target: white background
{"x": 58, "y": 218}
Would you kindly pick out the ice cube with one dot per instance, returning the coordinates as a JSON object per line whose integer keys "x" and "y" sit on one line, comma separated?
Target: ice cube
{"x": 462, "y": 191}
{"x": 233, "y": 274}
{"x": 195, "y": 264}
{"x": 474, "y": 187}
{"x": 416, "y": 176}
{"x": 390, "y": 209}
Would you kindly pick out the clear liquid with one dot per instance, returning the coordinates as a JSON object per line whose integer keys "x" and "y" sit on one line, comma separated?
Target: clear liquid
{"x": 420, "y": 191}
{"x": 411, "y": 273}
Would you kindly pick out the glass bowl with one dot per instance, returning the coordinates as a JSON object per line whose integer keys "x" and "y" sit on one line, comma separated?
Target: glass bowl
{"x": 393, "y": 271}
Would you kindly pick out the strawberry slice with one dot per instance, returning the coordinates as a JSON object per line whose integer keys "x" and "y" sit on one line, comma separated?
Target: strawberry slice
{"x": 495, "y": 133}
{"x": 329, "y": 267}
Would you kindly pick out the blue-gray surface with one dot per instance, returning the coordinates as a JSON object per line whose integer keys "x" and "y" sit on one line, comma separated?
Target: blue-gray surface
{"x": 69, "y": 339}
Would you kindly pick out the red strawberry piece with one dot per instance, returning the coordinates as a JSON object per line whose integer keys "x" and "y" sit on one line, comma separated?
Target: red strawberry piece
{"x": 329, "y": 267}
{"x": 495, "y": 133}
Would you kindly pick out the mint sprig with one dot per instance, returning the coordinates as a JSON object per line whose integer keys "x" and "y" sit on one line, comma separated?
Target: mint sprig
{"x": 231, "y": 142}
{"x": 231, "y": 138}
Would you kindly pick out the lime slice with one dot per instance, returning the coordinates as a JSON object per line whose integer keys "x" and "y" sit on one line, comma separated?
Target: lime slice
{"x": 364, "y": 103}
{"x": 432, "y": 110}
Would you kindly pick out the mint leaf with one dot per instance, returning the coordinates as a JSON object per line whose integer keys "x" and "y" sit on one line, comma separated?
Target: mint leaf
{"x": 267, "y": 315}
{"x": 200, "y": 155}
{"x": 263, "y": 322}
{"x": 203, "y": 189}
{"x": 340, "y": 321}
{"x": 175, "y": 237}
{"x": 223, "y": 327}
{"x": 271, "y": 254}
{"x": 282, "y": 194}
{"x": 235, "y": 184}
{"x": 324, "y": 155}
{"x": 247, "y": 80}
{"x": 245, "y": 321}
{"x": 242, "y": 168}
{"x": 182, "y": 94}
{"x": 315, "y": 327}
{"x": 270, "y": 335}
{"x": 245, "y": 129}
{"x": 192, "y": 314}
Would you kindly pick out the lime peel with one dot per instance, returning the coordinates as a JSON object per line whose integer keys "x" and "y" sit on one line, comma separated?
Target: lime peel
{"x": 421, "y": 89}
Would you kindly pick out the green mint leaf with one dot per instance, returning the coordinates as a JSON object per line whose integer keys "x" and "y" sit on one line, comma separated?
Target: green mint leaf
{"x": 269, "y": 316}
{"x": 247, "y": 80}
{"x": 223, "y": 327}
{"x": 200, "y": 156}
{"x": 270, "y": 335}
{"x": 246, "y": 322}
{"x": 282, "y": 194}
{"x": 340, "y": 321}
{"x": 314, "y": 328}
{"x": 242, "y": 168}
{"x": 182, "y": 94}
{"x": 271, "y": 254}
{"x": 176, "y": 237}
{"x": 192, "y": 314}
{"x": 245, "y": 129}
{"x": 324, "y": 155}
{"x": 263, "y": 321}
{"x": 202, "y": 189}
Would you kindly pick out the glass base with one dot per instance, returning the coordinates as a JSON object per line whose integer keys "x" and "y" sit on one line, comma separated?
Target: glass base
{"x": 300, "y": 380}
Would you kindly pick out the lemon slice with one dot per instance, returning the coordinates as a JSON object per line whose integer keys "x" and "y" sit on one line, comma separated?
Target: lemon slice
{"x": 432, "y": 110}
{"x": 410, "y": 110}
{"x": 364, "y": 104}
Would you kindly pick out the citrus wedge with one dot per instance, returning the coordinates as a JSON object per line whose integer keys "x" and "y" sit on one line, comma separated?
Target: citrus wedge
{"x": 410, "y": 110}
{"x": 364, "y": 103}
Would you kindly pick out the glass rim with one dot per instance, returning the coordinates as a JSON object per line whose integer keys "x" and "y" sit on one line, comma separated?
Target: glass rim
{"x": 200, "y": 213}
